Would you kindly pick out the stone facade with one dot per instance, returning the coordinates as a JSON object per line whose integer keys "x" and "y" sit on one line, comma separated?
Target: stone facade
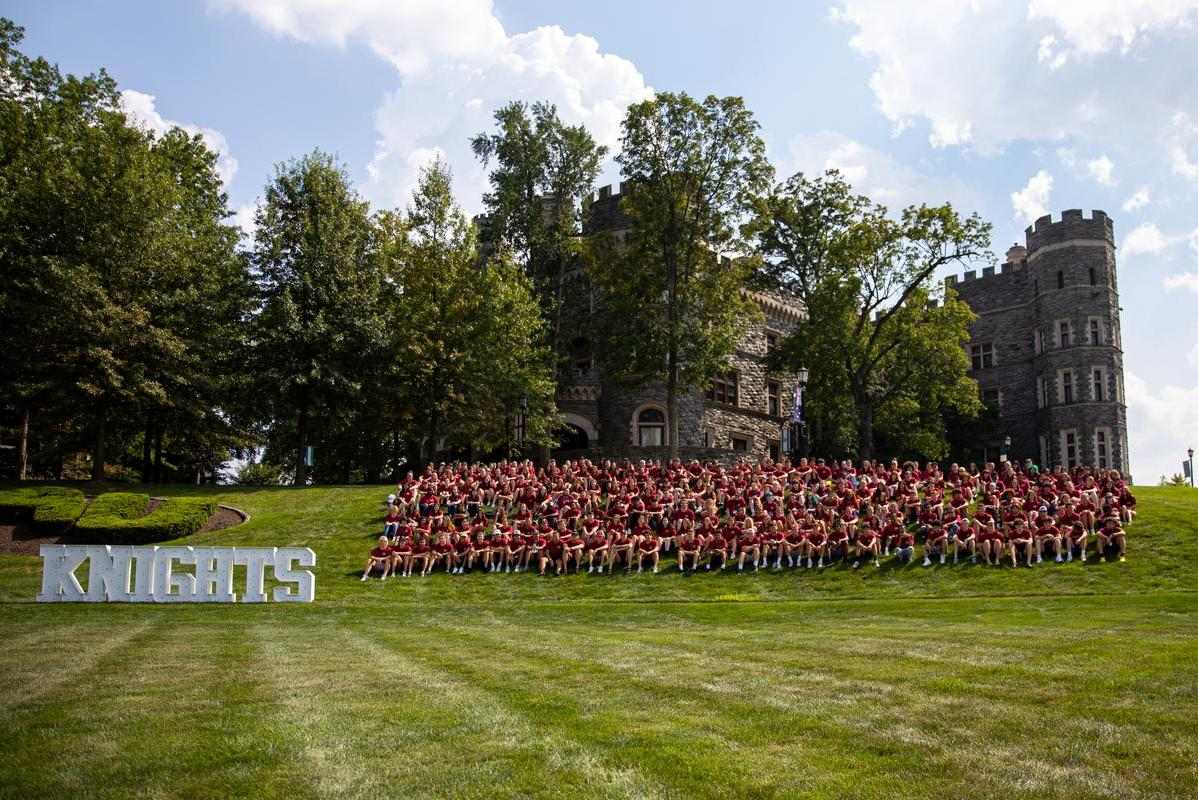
{"x": 1046, "y": 346}
{"x": 610, "y": 413}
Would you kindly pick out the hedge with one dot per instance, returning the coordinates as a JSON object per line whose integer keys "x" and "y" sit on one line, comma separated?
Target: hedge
{"x": 121, "y": 505}
{"x": 171, "y": 519}
{"x": 51, "y": 509}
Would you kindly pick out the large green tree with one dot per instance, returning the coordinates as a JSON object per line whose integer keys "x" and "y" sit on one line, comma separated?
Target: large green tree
{"x": 672, "y": 292}
{"x": 120, "y": 276}
{"x": 886, "y": 350}
{"x": 469, "y": 339}
{"x": 318, "y": 318}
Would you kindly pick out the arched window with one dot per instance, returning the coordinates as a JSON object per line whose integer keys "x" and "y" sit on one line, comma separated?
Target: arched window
{"x": 651, "y": 428}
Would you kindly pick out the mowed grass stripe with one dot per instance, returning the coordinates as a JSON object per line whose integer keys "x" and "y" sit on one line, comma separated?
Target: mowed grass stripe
{"x": 695, "y": 744}
{"x": 919, "y": 717}
{"x": 174, "y": 712}
{"x": 374, "y": 722}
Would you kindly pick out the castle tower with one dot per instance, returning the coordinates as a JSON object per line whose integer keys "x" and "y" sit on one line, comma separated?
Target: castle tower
{"x": 1046, "y": 347}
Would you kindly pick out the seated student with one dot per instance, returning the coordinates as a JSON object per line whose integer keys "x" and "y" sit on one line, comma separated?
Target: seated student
{"x": 718, "y": 547}
{"x": 392, "y": 521}
{"x": 1111, "y": 538}
{"x": 795, "y": 542}
{"x": 867, "y": 544}
{"x": 553, "y": 553}
{"x": 838, "y": 542}
{"x": 380, "y": 556}
{"x": 965, "y": 539}
{"x": 514, "y": 553}
{"x": 595, "y": 549}
{"x": 748, "y": 544}
{"x": 904, "y": 546}
{"x": 649, "y": 547}
{"x": 1074, "y": 540}
{"x": 463, "y": 550}
{"x": 620, "y": 549}
{"x": 442, "y": 554}
{"x": 935, "y": 543}
{"x": 481, "y": 552}
{"x": 689, "y": 550}
{"x": 817, "y": 544}
{"x": 499, "y": 546}
{"x": 401, "y": 552}
{"x": 775, "y": 544}
{"x": 1048, "y": 537}
{"x": 574, "y": 545}
{"x": 891, "y": 532}
{"x": 420, "y": 555}
{"x": 1020, "y": 540}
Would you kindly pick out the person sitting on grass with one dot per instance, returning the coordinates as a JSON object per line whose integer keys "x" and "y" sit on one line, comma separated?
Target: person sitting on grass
{"x": 553, "y": 553}
{"x": 689, "y": 549}
{"x": 648, "y": 548}
{"x": 748, "y": 545}
{"x": 1074, "y": 540}
{"x": 904, "y": 547}
{"x": 620, "y": 549}
{"x": 443, "y": 554}
{"x": 817, "y": 543}
{"x": 1021, "y": 542}
{"x": 463, "y": 552}
{"x": 392, "y": 521}
{"x": 514, "y": 553}
{"x": 935, "y": 543}
{"x": 866, "y": 545}
{"x": 420, "y": 555}
{"x": 1111, "y": 538}
{"x": 380, "y": 556}
{"x": 838, "y": 542}
{"x": 965, "y": 540}
{"x": 596, "y": 548}
{"x": 1048, "y": 538}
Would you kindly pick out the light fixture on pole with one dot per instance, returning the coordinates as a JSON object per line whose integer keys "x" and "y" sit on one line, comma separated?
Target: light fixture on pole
{"x": 1190, "y": 453}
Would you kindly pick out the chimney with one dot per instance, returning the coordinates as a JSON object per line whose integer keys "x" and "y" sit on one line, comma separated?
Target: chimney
{"x": 1016, "y": 255}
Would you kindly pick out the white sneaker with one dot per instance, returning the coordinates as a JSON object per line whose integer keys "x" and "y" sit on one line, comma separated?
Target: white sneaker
{"x": 809, "y": 563}
{"x": 856, "y": 565}
{"x": 639, "y": 569}
{"x": 973, "y": 559}
{"x": 655, "y": 570}
{"x": 877, "y": 563}
{"x": 927, "y": 562}
{"x": 590, "y": 570}
{"x": 1059, "y": 559}
{"x": 1070, "y": 556}
{"x": 1039, "y": 559}
{"x": 820, "y": 564}
{"x": 942, "y": 558}
{"x": 364, "y": 577}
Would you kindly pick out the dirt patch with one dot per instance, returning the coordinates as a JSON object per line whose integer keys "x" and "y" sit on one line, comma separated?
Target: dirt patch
{"x": 19, "y": 539}
{"x": 224, "y": 517}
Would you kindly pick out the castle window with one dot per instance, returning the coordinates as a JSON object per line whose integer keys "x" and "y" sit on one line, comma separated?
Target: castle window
{"x": 1069, "y": 452}
{"x": 1096, "y": 333}
{"x": 992, "y": 399}
{"x": 1041, "y": 392}
{"x": 1102, "y": 448}
{"x": 1064, "y": 333}
{"x": 651, "y": 428}
{"x": 771, "y": 342}
{"x": 1067, "y": 390}
{"x": 775, "y": 451}
{"x": 724, "y": 389}
{"x": 1060, "y": 279}
{"x": 981, "y": 356}
{"x": 1093, "y": 277}
{"x": 740, "y": 444}
{"x": 1038, "y": 341}
{"x": 1098, "y": 384}
{"x": 774, "y": 398}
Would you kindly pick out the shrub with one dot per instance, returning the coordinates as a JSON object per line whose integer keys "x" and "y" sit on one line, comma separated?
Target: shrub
{"x": 52, "y": 510}
{"x": 122, "y": 505}
{"x": 171, "y": 519}
{"x": 252, "y": 474}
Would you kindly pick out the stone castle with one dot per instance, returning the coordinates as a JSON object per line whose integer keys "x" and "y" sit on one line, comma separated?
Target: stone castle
{"x": 742, "y": 414}
{"x": 1046, "y": 348}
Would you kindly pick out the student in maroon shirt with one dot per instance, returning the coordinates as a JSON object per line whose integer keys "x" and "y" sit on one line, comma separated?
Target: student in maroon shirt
{"x": 649, "y": 547}
{"x": 380, "y": 556}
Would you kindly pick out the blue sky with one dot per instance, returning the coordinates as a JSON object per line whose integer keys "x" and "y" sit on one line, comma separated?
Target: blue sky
{"x": 1008, "y": 108}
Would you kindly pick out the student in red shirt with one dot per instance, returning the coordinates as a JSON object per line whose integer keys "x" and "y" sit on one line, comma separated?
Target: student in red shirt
{"x": 1111, "y": 537}
{"x": 596, "y": 550}
{"x": 1048, "y": 536}
{"x": 866, "y": 544}
{"x": 934, "y": 543}
{"x": 420, "y": 554}
{"x": 442, "y": 554}
{"x": 689, "y": 549}
{"x": 380, "y": 556}
{"x": 749, "y": 545}
{"x": 904, "y": 546}
{"x": 649, "y": 547}
{"x": 1020, "y": 540}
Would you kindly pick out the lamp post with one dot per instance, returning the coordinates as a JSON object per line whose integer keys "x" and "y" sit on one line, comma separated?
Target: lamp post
{"x": 520, "y": 421}
{"x": 1006, "y": 445}
{"x": 1190, "y": 453}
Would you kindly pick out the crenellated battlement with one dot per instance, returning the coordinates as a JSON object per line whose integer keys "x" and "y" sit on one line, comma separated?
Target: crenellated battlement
{"x": 601, "y": 210}
{"x": 1072, "y": 225}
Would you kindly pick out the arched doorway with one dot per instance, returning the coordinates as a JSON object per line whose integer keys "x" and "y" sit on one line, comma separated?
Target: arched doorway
{"x": 571, "y": 437}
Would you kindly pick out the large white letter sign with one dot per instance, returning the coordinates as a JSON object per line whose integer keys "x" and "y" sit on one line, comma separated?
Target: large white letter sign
{"x": 159, "y": 576}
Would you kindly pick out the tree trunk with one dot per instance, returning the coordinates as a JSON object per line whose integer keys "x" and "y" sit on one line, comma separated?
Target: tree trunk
{"x": 301, "y": 454}
{"x": 865, "y": 429}
{"x": 157, "y": 471}
{"x": 98, "y": 447}
{"x": 395, "y": 457}
{"x": 146, "y": 452}
{"x": 23, "y": 448}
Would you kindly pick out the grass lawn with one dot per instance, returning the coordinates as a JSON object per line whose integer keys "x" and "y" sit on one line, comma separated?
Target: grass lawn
{"x": 965, "y": 681}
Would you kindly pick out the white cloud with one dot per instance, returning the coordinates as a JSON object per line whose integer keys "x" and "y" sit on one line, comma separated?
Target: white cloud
{"x": 1192, "y": 356}
{"x": 1182, "y": 280}
{"x": 243, "y": 218}
{"x": 140, "y": 108}
{"x": 1138, "y": 200}
{"x": 1162, "y": 420}
{"x": 1145, "y": 238}
{"x": 1180, "y": 138}
{"x": 457, "y": 65}
{"x": 985, "y": 73}
{"x": 1102, "y": 170}
{"x": 1031, "y": 202}
{"x": 1093, "y": 27}
{"x": 873, "y": 172}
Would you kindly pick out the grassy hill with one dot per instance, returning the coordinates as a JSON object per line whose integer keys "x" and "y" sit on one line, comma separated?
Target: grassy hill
{"x": 956, "y": 681}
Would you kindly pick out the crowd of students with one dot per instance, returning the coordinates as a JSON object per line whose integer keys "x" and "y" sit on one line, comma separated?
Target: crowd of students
{"x": 619, "y": 516}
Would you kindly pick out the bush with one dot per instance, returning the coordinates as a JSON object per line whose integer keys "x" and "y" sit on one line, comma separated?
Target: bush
{"x": 252, "y": 474}
{"x": 171, "y": 519}
{"x": 122, "y": 505}
{"x": 52, "y": 510}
